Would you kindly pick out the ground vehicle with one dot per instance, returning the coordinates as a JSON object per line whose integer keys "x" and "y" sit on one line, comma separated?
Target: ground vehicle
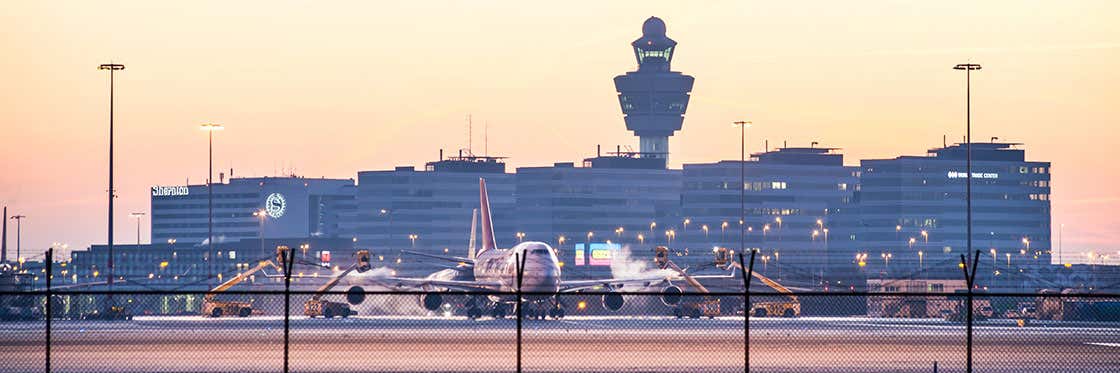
{"x": 218, "y": 308}
{"x": 783, "y": 308}
{"x": 689, "y": 306}
{"x": 316, "y": 306}
{"x": 113, "y": 313}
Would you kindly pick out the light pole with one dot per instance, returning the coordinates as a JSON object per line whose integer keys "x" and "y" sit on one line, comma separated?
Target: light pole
{"x": 261, "y": 215}
{"x": 113, "y": 68}
{"x": 138, "y": 216}
{"x": 968, "y": 67}
{"x": 210, "y": 128}
{"x": 560, "y": 240}
{"x": 520, "y": 237}
{"x": 722, "y": 232}
{"x": 705, "y": 229}
{"x": 19, "y": 256}
{"x": 925, "y": 235}
{"x": 743, "y": 124}
{"x": 921, "y": 267}
{"x": 389, "y": 215}
{"x": 413, "y": 237}
{"x": 641, "y": 239}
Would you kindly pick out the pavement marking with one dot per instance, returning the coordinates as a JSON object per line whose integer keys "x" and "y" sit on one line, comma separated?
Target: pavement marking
{"x": 1103, "y": 344}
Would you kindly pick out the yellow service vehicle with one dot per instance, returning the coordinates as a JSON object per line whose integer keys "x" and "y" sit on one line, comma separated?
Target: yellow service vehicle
{"x": 218, "y": 308}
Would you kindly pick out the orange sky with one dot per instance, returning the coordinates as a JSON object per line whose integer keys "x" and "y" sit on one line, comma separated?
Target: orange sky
{"x": 332, "y": 88}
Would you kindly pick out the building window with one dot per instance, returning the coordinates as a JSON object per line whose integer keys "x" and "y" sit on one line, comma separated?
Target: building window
{"x": 842, "y": 186}
{"x": 232, "y": 255}
{"x": 778, "y": 185}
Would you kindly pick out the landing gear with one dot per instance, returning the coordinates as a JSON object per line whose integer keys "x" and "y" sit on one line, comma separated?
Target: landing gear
{"x": 499, "y": 311}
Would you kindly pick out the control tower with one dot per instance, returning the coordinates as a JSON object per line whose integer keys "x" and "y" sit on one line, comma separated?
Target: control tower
{"x": 653, "y": 98}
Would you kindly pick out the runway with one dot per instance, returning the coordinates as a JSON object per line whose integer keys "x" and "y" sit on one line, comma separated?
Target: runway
{"x": 575, "y": 344}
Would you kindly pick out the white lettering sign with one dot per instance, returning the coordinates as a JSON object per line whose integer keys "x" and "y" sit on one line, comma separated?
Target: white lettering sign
{"x": 975, "y": 175}
{"x": 166, "y": 191}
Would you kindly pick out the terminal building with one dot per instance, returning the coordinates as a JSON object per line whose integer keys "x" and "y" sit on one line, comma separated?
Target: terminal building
{"x": 791, "y": 198}
{"x": 430, "y": 210}
{"x": 912, "y": 220}
{"x": 590, "y": 213}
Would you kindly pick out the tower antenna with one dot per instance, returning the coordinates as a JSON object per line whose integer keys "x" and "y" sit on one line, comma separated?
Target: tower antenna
{"x": 486, "y": 138}
{"x": 470, "y": 134}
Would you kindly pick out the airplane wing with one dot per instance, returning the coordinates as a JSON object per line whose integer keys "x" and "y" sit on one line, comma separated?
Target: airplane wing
{"x": 654, "y": 278}
{"x": 450, "y": 258}
{"x": 431, "y": 283}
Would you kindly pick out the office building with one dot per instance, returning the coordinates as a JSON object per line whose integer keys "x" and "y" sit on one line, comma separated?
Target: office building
{"x": 590, "y": 213}
{"x": 250, "y": 208}
{"x": 912, "y": 216}
{"x": 791, "y": 196}
{"x": 430, "y": 210}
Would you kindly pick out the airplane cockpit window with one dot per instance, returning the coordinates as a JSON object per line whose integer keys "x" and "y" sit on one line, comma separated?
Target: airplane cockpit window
{"x": 541, "y": 251}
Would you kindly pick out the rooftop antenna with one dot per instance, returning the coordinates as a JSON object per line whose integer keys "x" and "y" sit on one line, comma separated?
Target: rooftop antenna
{"x": 470, "y": 134}
{"x": 994, "y": 138}
{"x": 767, "y": 146}
{"x": 486, "y": 138}
{"x": 813, "y": 144}
{"x": 944, "y": 141}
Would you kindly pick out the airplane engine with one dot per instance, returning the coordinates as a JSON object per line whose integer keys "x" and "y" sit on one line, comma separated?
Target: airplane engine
{"x": 355, "y": 295}
{"x": 431, "y": 301}
{"x": 671, "y": 295}
{"x": 613, "y": 301}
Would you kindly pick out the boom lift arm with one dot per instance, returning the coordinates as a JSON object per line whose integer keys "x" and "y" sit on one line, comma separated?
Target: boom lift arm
{"x": 216, "y": 308}
{"x": 316, "y": 306}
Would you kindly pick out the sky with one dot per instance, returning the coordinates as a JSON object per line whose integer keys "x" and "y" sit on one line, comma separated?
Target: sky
{"x": 331, "y": 88}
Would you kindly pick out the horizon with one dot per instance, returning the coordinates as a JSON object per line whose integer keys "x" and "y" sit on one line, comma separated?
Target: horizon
{"x": 330, "y": 94}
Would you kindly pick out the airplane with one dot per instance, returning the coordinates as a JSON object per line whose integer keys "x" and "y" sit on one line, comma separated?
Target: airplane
{"x": 494, "y": 270}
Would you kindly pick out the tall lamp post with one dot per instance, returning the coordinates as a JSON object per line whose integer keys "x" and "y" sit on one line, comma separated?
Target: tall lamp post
{"x": 18, "y": 219}
{"x": 743, "y": 124}
{"x": 210, "y": 128}
{"x": 138, "y": 216}
{"x": 968, "y": 68}
{"x": 112, "y": 67}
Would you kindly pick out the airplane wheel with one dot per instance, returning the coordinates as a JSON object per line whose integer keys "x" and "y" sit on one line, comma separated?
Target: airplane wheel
{"x": 327, "y": 313}
{"x": 559, "y": 313}
{"x": 552, "y": 313}
{"x": 347, "y": 312}
{"x": 678, "y": 313}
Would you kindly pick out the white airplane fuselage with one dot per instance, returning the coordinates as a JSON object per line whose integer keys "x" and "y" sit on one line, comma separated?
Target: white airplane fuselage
{"x": 541, "y": 273}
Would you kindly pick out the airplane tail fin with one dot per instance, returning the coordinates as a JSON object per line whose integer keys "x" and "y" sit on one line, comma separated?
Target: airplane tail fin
{"x": 487, "y": 224}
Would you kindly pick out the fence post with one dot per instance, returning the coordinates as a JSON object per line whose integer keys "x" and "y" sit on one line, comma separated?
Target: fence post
{"x": 288, "y": 259}
{"x": 969, "y": 280}
{"x": 748, "y": 272}
{"x": 520, "y": 262}
{"x": 50, "y": 271}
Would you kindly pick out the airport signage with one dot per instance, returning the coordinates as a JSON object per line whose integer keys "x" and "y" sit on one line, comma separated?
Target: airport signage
{"x": 596, "y": 254}
{"x": 170, "y": 191}
{"x": 975, "y": 175}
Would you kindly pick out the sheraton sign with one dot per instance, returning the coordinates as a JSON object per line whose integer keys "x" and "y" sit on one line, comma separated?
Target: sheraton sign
{"x": 170, "y": 191}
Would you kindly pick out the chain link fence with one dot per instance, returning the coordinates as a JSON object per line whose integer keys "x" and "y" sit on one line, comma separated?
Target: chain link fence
{"x": 599, "y": 330}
